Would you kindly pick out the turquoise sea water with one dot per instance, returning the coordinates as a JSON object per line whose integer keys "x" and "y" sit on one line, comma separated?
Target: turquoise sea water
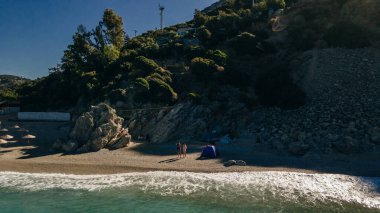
{"x": 188, "y": 192}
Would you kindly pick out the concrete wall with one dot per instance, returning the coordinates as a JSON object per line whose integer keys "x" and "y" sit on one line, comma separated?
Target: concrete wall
{"x": 9, "y": 110}
{"x": 43, "y": 116}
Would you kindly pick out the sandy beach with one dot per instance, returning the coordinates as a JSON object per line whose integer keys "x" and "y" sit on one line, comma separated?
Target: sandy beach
{"x": 37, "y": 156}
{"x": 139, "y": 157}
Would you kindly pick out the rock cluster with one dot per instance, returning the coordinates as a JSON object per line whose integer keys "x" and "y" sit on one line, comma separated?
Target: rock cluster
{"x": 97, "y": 129}
{"x": 235, "y": 163}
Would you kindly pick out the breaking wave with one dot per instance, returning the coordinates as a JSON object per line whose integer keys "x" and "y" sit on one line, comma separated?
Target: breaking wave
{"x": 295, "y": 187}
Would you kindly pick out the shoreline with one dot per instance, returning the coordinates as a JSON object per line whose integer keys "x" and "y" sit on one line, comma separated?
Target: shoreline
{"x": 88, "y": 169}
{"x": 139, "y": 157}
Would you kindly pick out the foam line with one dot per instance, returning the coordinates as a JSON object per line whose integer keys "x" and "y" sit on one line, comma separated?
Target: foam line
{"x": 288, "y": 185}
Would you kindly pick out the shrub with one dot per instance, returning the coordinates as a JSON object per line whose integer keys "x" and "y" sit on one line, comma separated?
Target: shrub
{"x": 194, "y": 51}
{"x": 263, "y": 5}
{"x": 161, "y": 91}
{"x": 143, "y": 66}
{"x": 224, "y": 26}
{"x": 7, "y": 94}
{"x": 117, "y": 95}
{"x": 163, "y": 75}
{"x": 218, "y": 56}
{"x": 302, "y": 38}
{"x": 141, "y": 90}
{"x": 200, "y": 18}
{"x": 276, "y": 88}
{"x": 203, "y": 34}
{"x": 204, "y": 69}
{"x": 144, "y": 63}
{"x": 142, "y": 83}
{"x": 194, "y": 97}
{"x": 348, "y": 35}
{"x": 276, "y": 4}
{"x": 244, "y": 44}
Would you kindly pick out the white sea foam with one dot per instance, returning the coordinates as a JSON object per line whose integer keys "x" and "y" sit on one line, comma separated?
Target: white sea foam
{"x": 287, "y": 185}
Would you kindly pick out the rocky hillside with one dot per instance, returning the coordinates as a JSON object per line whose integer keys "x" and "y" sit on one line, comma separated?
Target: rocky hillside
{"x": 341, "y": 115}
{"x": 297, "y": 76}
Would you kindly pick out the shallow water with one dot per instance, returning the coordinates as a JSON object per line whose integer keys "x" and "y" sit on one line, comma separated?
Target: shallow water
{"x": 188, "y": 192}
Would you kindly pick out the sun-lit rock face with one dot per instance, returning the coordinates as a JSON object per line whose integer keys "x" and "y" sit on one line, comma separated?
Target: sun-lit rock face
{"x": 97, "y": 129}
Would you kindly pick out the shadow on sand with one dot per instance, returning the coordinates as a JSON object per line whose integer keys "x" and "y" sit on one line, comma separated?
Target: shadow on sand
{"x": 171, "y": 160}
{"x": 260, "y": 156}
{"x": 45, "y": 134}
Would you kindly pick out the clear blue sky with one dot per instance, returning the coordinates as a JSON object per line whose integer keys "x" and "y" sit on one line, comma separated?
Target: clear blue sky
{"x": 34, "y": 33}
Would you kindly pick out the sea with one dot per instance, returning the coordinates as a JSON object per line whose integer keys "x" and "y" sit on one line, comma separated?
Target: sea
{"x": 169, "y": 192}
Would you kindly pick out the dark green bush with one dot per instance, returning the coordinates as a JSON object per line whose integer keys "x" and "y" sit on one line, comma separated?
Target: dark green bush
{"x": 144, "y": 63}
{"x": 141, "y": 90}
{"x": 204, "y": 69}
{"x": 302, "y": 38}
{"x": 161, "y": 91}
{"x": 203, "y": 34}
{"x": 142, "y": 83}
{"x": 117, "y": 95}
{"x": 244, "y": 44}
{"x": 194, "y": 51}
{"x": 200, "y": 18}
{"x": 7, "y": 94}
{"x": 223, "y": 26}
{"x": 143, "y": 67}
{"x": 194, "y": 97}
{"x": 276, "y": 88}
{"x": 348, "y": 35}
{"x": 218, "y": 56}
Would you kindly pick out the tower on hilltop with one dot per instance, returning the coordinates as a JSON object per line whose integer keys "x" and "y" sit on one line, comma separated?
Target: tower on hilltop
{"x": 161, "y": 8}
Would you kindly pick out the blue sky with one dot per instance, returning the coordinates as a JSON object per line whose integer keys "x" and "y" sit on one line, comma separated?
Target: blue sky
{"x": 34, "y": 33}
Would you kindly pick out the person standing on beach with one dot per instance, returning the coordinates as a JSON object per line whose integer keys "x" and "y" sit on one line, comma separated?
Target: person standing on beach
{"x": 179, "y": 149}
{"x": 184, "y": 149}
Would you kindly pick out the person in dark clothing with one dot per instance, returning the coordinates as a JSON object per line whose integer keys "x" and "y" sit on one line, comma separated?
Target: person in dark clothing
{"x": 179, "y": 150}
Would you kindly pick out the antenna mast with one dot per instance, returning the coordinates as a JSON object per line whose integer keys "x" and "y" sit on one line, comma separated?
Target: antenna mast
{"x": 161, "y": 8}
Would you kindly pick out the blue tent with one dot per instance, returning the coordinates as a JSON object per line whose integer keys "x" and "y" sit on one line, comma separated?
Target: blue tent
{"x": 209, "y": 152}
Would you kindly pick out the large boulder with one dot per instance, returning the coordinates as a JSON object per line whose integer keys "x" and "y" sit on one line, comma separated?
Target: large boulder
{"x": 99, "y": 128}
{"x": 83, "y": 127}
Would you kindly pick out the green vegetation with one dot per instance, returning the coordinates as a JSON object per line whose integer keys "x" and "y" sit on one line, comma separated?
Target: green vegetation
{"x": 230, "y": 46}
{"x": 8, "y": 83}
{"x": 204, "y": 69}
{"x": 348, "y": 35}
{"x": 276, "y": 88}
{"x": 194, "y": 97}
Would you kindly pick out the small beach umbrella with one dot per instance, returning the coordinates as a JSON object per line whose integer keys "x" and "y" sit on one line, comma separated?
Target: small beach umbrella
{"x": 4, "y": 130}
{"x": 6, "y": 137}
{"x": 16, "y": 126}
{"x": 29, "y": 137}
{"x": 3, "y": 142}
